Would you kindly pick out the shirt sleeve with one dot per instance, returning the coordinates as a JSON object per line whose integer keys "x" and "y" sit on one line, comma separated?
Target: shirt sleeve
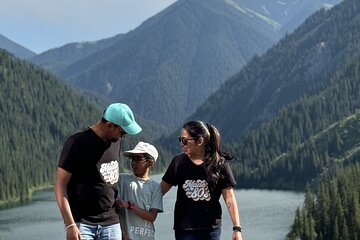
{"x": 170, "y": 174}
{"x": 228, "y": 179}
{"x": 67, "y": 157}
{"x": 119, "y": 183}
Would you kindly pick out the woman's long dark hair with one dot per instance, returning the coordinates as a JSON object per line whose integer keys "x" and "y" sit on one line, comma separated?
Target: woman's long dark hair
{"x": 213, "y": 154}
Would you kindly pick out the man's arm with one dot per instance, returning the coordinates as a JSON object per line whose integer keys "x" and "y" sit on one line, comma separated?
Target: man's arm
{"x": 61, "y": 182}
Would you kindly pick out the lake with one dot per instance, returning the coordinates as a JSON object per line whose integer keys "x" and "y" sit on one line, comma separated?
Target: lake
{"x": 265, "y": 215}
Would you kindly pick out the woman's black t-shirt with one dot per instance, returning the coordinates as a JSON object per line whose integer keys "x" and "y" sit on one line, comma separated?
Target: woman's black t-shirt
{"x": 197, "y": 204}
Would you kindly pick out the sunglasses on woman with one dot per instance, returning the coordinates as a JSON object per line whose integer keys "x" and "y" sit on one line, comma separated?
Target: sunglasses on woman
{"x": 184, "y": 140}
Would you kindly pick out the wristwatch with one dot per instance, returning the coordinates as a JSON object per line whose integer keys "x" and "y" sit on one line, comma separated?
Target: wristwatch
{"x": 237, "y": 228}
{"x": 131, "y": 204}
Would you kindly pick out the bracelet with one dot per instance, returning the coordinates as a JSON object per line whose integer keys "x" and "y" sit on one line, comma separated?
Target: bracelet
{"x": 131, "y": 204}
{"x": 237, "y": 228}
{"x": 69, "y": 226}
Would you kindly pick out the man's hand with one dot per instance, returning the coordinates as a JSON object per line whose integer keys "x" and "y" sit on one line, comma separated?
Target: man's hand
{"x": 73, "y": 233}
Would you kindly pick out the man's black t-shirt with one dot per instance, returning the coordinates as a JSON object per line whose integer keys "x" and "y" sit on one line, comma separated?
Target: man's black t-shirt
{"x": 197, "y": 204}
{"x": 92, "y": 188}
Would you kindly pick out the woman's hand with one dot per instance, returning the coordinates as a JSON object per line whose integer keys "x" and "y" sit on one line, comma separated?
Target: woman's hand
{"x": 236, "y": 235}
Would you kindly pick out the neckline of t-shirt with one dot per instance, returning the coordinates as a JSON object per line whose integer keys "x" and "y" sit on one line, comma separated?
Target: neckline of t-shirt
{"x": 197, "y": 165}
{"x": 140, "y": 179}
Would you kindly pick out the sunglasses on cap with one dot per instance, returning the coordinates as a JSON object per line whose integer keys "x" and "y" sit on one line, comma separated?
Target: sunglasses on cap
{"x": 184, "y": 140}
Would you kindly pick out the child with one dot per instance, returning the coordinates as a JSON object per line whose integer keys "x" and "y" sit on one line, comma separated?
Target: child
{"x": 139, "y": 198}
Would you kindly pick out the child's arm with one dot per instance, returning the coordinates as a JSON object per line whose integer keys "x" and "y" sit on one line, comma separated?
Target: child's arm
{"x": 144, "y": 214}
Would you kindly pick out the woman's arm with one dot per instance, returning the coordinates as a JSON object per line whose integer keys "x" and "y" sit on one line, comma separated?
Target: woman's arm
{"x": 165, "y": 187}
{"x": 231, "y": 204}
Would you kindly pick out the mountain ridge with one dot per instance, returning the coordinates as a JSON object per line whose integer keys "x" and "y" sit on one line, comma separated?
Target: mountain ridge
{"x": 182, "y": 58}
{"x": 15, "y": 48}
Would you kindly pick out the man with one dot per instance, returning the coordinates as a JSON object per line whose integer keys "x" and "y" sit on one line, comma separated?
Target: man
{"x": 140, "y": 198}
{"x": 87, "y": 176}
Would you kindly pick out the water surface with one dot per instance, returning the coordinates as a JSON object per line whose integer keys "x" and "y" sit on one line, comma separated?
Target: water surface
{"x": 265, "y": 215}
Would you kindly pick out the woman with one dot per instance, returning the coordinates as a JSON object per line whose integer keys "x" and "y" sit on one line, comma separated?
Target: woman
{"x": 202, "y": 173}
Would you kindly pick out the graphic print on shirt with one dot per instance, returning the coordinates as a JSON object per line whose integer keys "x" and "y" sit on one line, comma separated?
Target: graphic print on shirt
{"x": 142, "y": 231}
{"x": 110, "y": 172}
{"x": 197, "y": 190}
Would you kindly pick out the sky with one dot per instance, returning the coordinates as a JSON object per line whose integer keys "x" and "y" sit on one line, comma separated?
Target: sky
{"x": 40, "y": 25}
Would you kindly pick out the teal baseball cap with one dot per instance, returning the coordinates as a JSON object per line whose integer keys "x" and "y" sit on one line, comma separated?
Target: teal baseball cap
{"x": 120, "y": 114}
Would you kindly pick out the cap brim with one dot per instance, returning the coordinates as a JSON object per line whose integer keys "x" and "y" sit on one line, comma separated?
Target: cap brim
{"x": 131, "y": 152}
{"x": 132, "y": 129}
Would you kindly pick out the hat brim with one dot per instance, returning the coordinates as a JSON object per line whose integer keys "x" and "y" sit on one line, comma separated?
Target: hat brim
{"x": 132, "y": 152}
{"x": 132, "y": 129}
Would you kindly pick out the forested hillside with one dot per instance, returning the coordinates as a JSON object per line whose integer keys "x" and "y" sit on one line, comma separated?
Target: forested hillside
{"x": 306, "y": 138}
{"x": 301, "y": 63}
{"x": 37, "y": 113}
{"x": 332, "y": 208}
{"x": 313, "y": 142}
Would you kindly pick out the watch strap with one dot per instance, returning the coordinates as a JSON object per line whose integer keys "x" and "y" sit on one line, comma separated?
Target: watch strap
{"x": 237, "y": 228}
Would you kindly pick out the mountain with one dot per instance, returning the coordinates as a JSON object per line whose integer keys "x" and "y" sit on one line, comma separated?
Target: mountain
{"x": 154, "y": 63}
{"x": 177, "y": 58}
{"x": 59, "y": 59}
{"x": 313, "y": 133}
{"x": 14, "y": 48}
{"x": 288, "y": 14}
{"x": 38, "y": 112}
{"x": 306, "y": 140}
{"x": 301, "y": 63}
